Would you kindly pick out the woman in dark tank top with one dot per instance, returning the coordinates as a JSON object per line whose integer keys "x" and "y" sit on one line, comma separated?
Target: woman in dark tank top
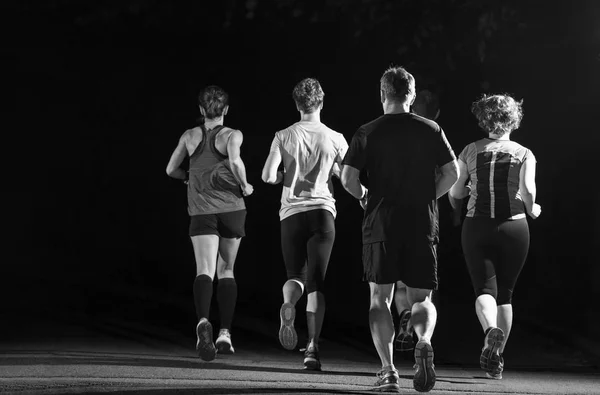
{"x": 216, "y": 186}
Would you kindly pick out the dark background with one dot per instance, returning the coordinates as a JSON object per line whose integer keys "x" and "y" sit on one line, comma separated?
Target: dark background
{"x": 97, "y": 94}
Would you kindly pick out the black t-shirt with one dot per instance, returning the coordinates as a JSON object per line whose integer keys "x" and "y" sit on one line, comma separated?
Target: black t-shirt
{"x": 398, "y": 156}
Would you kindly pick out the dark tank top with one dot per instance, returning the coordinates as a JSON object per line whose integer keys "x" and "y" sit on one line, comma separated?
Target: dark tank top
{"x": 212, "y": 188}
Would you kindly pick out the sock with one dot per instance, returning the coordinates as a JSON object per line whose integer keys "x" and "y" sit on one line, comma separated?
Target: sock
{"x": 203, "y": 290}
{"x": 226, "y": 296}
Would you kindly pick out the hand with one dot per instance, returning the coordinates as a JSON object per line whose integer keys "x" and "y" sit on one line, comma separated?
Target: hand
{"x": 363, "y": 203}
{"x": 247, "y": 190}
{"x": 536, "y": 210}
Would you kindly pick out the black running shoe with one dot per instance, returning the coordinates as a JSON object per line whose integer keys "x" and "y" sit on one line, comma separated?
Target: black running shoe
{"x": 404, "y": 340}
{"x": 204, "y": 342}
{"x": 287, "y": 334}
{"x": 311, "y": 359}
{"x": 490, "y": 354}
{"x": 424, "y": 379}
{"x": 387, "y": 381}
{"x": 496, "y": 374}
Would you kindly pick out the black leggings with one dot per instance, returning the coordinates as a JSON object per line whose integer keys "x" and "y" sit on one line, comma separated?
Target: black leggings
{"x": 306, "y": 242}
{"x": 495, "y": 252}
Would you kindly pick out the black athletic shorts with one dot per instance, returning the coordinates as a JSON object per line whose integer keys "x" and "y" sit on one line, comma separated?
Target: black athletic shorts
{"x": 229, "y": 225}
{"x": 414, "y": 263}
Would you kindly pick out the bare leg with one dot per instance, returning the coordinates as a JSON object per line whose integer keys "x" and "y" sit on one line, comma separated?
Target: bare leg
{"x": 206, "y": 248}
{"x": 424, "y": 318}
{"x": 292, "y": 291}
{"x": 228, "y": 249}
{"x": 315, "y": 311}
{"x": 424, "y": 313}
{"x": 487, "y": 311}
{"x": 381, "y": 323}
{"x": 505, "y": 320}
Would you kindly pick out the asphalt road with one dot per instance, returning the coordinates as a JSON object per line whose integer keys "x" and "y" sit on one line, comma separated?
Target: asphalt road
{"x": 77, "y": 354}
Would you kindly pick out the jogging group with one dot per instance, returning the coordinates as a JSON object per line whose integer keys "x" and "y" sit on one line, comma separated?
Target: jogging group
{"x": 397, "y": 166}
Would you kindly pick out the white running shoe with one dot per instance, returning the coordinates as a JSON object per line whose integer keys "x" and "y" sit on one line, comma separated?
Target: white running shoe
{"x": 223, "y": 342}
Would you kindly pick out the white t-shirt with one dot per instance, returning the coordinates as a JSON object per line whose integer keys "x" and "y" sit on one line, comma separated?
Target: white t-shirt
{"x": 308, "y": 151}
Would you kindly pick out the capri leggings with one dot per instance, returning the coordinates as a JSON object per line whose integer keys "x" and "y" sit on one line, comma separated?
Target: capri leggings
{"x": 306, "y": 242}
{"x": 495, "y": 252}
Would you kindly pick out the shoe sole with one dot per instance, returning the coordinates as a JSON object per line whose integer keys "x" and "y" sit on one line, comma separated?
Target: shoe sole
{"x": 388, "y": 388}
{"x": 405, "y": 340}
{"x": 204, "y": 344}
{"x": 312, "y": 364}
{"x": 287, "y": 334}
{"x": 492, "y": 377}
{"x": 424, "y": 379}
{"x": 490, "y": 355}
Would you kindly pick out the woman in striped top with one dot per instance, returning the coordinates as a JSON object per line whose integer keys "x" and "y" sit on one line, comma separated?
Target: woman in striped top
{"x": 495, "y": 237}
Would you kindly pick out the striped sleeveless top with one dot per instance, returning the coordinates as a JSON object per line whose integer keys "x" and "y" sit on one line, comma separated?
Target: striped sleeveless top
{"x": 212, "y": 188}
{"x": 494, "y": 170}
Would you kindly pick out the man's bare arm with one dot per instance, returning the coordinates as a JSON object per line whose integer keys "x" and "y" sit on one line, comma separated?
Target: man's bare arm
{"x": 270, "y": 175}
{"x": 351, "y": 182}
{"x": 450, "y": 174}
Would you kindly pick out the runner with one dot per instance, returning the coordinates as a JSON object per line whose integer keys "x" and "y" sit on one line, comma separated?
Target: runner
{"x": 495, "y": 234}
{"x": 400, "y": 153}
{"x": 311, "y": 154}
{"x": 216, "y": 186}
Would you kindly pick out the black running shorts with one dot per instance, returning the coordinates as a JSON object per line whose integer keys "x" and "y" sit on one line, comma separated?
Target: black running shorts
{"x": 229, "y": 225}
{"x": 414, "y": 263}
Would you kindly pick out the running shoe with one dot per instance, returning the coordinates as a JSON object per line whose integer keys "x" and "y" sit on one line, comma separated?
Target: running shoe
{"x": 387, "y": 381}
{"x": 223, "y": 342}
{"x": 204, "y": 343}
{"x": 405, "y": 340}
{"x": 496, "y": 374}
{"x": 490, "y": 354}
{"x": 287, "y": 334}
{"x": 311, "y": 359}
{"x": 424, "y": 379}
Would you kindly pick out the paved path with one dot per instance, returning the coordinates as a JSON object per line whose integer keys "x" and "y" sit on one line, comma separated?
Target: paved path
{"x": 114, "y": 356}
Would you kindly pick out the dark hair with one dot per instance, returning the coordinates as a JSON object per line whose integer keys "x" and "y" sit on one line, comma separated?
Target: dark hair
{"x": 308, "y": 95}
{"x": 498, "y": 114}
{"x": 213, "y": 100}
{"x": 397, "y": 84}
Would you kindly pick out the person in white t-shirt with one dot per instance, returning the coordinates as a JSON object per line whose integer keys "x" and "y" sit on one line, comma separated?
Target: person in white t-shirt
{"x": 311, "y": 154}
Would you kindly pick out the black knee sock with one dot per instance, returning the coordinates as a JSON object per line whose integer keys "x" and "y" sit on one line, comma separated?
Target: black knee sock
{"x": 226, "y": 296}
{"x": 203, "y": 290}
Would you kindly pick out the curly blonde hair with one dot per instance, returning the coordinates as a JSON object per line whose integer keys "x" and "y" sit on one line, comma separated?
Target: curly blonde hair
{"x": 498, "y": 114}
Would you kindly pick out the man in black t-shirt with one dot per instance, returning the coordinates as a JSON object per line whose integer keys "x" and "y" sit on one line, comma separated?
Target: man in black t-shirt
{"x": 400, "y": 153}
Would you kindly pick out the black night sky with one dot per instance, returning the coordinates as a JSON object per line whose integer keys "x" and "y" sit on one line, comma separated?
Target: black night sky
{"x": 97, "y": 94}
